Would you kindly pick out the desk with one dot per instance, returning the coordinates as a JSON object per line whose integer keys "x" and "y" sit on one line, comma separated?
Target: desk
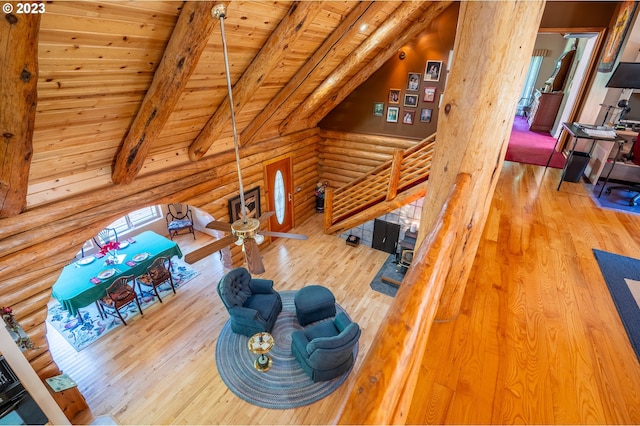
{"x": 74, "y": 290}
{"x": 576, "y": 132}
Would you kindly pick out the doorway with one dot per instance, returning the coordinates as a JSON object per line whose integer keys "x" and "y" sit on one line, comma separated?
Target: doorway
{"x": 279, "y": 189}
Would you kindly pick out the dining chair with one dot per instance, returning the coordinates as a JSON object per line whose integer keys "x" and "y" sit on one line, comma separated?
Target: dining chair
{"x": 104, "y": 236}
{"x": 118, "y": 295}
{"x": 157, "y": 274}
{"x": 179, "y": 218}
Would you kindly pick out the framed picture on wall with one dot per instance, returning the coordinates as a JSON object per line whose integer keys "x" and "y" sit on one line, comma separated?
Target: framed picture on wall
{"x": 413, "y": 82}
{"x": 624, "y": 14}
{"x": 408, "y": 116}
{"x": 251, "y": 201}
{"x": 432, "y": 71}
{"x": 378, "y": 109}
{"x": 394, "y": 96}
{"x": 392, "y": 114}
{"x": 425, "y": 115}
{"x": 429, "y": 94}
{"x": 411, "y": 100}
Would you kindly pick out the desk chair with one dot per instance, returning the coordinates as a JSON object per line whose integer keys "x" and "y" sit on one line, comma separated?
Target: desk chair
{"x": 634, "y": 156}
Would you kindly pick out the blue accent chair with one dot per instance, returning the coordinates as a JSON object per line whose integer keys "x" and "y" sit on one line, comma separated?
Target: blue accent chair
{"x": 252, "y": 303}
{"x": 325, "y": 350}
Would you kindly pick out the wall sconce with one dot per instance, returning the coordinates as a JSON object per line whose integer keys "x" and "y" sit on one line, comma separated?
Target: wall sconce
{"x": 402, "y": 55}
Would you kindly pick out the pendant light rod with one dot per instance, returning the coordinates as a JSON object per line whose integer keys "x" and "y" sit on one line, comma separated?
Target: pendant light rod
{"x": 220, "y": 12}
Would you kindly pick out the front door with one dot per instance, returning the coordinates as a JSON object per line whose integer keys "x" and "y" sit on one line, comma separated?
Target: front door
{"x": 279, "y": 189}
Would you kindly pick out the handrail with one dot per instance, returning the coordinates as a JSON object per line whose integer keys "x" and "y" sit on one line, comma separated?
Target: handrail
{"x": 405, "y": 170}
{"x": 384, "y": 387}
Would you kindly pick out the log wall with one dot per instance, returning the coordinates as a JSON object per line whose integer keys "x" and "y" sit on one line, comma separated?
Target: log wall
{"x": 37, "y": 244}
{"x": 364, "y": 153}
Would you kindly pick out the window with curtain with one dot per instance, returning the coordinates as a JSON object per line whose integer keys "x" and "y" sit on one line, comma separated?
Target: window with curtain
{"x": 526, "y": 96}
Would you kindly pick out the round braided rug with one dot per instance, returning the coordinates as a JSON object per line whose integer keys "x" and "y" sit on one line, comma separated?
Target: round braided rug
{"x": 283, "y": 386}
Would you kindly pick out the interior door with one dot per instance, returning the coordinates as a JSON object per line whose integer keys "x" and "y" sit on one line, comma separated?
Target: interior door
{"x": 279, "y": 192}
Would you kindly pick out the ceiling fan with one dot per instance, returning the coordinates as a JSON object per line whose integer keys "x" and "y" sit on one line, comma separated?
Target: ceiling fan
{"x": 244, "y": 231}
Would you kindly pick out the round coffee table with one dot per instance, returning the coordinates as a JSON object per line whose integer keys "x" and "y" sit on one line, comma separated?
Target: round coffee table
{"x": 261, "y": 343}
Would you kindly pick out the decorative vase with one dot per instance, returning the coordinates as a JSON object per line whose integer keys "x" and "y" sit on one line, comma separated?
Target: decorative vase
{"x": 319, "y": 204}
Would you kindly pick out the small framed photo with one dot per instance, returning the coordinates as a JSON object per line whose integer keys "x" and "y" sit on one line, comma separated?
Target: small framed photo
{"x": 378, "y": 109}
{"x": 392, "y": 114}
{"x": 429, "y": 94}
{"x": 408, "y": 116}
{"x": 425, "y": 115}
{"x": 413, "y": 82}
{"x": 432, "y": 71}
{"x": 411, "y": 100}
{"x": 251, "y": 202}
{"x": 394, "y": 96}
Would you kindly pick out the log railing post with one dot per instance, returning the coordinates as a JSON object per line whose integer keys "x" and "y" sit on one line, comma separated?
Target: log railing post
{"x": 328, "y": 208}
{"x": 386, "y": 381}
{"x": 394, "y": 174}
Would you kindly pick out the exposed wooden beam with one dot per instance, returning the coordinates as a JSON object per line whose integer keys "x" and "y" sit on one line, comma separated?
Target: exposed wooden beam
{"x": 412, "y": 30}
{"x": 384, "y": 35}
{"x": 188, "y": 41}
{"x": 342, "y": 35}
{"x": 18, "y": 100}
{"x": 289, "y": 30}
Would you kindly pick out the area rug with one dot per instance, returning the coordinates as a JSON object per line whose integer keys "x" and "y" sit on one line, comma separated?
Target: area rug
{"x": 388, "y": 269}
{"x": 622, "y": 275}
{"x": 529, "y": 147}
{"x": 616, "y": 200}
{"x": 81, "y": 334}
{"x": 285, "y": 385}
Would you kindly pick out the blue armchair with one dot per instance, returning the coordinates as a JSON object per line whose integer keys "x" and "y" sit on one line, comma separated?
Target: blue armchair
{"x": 325, "y": 350}
{"x": 252, "y": 303}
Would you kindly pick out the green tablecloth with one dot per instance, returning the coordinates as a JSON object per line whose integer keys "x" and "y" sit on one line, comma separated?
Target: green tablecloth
{"x": 74, "y": 288}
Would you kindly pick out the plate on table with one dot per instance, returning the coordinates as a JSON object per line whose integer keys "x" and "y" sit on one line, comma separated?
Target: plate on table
{"x": 106, "y": 274}
{"x": 123, "y": 244}
{"x": 86, "y": 260}
{"x": 140, "y": 257}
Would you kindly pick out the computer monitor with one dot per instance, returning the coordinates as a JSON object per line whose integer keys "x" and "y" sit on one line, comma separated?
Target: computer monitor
{"x": 625, "y": 76}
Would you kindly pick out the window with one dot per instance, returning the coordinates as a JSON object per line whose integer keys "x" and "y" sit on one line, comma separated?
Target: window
{"x": 136, "y": 219}
{"x": 526, "y": 97}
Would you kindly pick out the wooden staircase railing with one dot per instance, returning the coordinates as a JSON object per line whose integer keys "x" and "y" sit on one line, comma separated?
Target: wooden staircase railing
{"x": 384, "y": 184}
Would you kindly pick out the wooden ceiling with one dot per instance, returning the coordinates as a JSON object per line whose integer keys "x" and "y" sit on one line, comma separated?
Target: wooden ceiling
{"x": 290, "y": 64}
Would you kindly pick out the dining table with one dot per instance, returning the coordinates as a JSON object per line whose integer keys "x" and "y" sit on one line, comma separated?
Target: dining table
{"x": 86, "y": 280}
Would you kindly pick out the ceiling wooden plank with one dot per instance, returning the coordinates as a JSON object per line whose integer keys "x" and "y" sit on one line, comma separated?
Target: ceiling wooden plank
{"x": 412, "y": 31}
{"x": 386, "y": 34}
{"x": 289, "y": 30}
{"x": 188, "y": 41}
{"x": 18, "y": 100}
{"x": 342, "y": 34}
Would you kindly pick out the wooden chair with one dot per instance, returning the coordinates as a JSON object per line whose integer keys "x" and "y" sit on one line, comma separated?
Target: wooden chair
{"x": 179, "y": 218}
{"x": 119, "y": 294}
{"x": 157, "y": 274}
{"x": 104, "y": 236}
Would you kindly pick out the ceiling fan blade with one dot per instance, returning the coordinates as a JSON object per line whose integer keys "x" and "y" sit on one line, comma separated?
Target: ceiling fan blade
{"x": 219, "y": 226}
{"x": 266, "y": 215}
{"x": 205, "y": 251}
{"x": 252, "y": 256}
{"x": 283, "y": 235}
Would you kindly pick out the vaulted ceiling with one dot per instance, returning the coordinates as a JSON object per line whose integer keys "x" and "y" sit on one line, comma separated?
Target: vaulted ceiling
{"x": 129, "y": 88}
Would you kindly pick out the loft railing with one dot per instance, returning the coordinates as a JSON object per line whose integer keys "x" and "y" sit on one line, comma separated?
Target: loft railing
{"x": 386, "y": 381}
{"x": 405, "y": 170}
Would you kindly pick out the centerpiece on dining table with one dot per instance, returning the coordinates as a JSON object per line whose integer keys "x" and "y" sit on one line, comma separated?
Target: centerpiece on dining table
{"x": 110, "y": 249}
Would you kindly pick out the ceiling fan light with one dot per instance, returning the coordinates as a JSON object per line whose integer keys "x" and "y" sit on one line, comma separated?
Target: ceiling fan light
{"x": 239, "y": 241}
{"x": 259, "y": 238}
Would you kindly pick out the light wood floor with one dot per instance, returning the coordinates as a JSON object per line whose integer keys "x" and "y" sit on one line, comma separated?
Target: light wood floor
{"x": 538, "y": 339}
